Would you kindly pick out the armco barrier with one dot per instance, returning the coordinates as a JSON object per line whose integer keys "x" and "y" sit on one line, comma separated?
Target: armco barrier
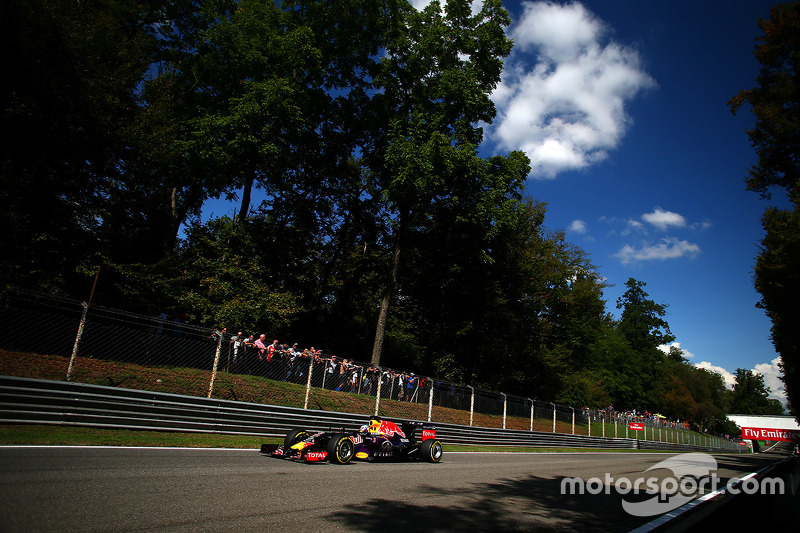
{"x": 35, "y": 401}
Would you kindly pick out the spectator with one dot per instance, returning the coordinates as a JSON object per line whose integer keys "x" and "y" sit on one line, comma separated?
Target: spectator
{"x": 249, "y": 347}
{"x": 369, "y": 380}
{"x": 411, "y": 386}
{"x": 272, "y": 350}
{"x": 178, "y": 323}
{"x": 401, "y": 386}
{"x": 332, "y": 372}
{"x": 319, "y": 373}
{"x": 290, "y": 357}
{"x": 218, "y": 334}
{"x": 341, "y": 378}
{"x": 261, "y": 351}
{"x": 236, "y": 344}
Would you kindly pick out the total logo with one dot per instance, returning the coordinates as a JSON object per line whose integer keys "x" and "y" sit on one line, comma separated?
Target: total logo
{"x": 316, "y": 456}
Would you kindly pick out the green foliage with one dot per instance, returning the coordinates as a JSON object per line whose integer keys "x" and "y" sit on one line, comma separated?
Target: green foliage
{"x": 71, "y": 71}
{"x": 360, "y": 121}
{"x": 750, "y": 395}
{"x": 777, "y": 279}
{"x": 775, "y": 104}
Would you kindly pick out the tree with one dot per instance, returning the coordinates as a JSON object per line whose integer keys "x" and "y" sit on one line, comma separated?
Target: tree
{"x": 642, "y": 321}
{"x": 775, "y": 104}
{"x": 751, "y": 396}
{"x": 71, "y": 75}
{"x": 643, "y": 326}
{"x": 431, "y": 89}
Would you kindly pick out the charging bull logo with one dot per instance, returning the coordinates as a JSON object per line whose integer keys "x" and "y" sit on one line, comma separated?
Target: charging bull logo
{"x": 385, "y": 428}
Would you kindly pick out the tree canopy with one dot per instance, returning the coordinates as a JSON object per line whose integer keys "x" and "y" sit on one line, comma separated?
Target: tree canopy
{"x": 775, "y": 104}
{"x": 359, "y": 121}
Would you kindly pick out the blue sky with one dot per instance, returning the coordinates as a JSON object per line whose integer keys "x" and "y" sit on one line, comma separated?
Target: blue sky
{"x": 622, "y": 107}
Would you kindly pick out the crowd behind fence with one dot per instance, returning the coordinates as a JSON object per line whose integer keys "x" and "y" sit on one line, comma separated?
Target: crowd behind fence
{"x": 71, "y": 340}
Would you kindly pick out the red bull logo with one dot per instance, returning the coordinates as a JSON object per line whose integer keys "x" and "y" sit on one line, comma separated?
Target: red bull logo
{"x": 385, "y": 428}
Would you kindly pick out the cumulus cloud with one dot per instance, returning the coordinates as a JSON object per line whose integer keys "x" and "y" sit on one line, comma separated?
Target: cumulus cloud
{"x": 664, "y": 220}
{"x": 669, "y": 248}
{"x": 420, "y": 4}
{"x": 666, "y": 347}
{"x": 578, "y": 226}
{"x": 772, "y": 379}
{"x": 771, "y": 372}
{"x": 564, "y": 89}
{"x": 727, "y": 377}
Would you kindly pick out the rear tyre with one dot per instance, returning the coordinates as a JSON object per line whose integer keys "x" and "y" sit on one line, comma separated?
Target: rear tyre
{"x": 293, "y": 437}
{"x": 431, "y": 451}
{"x": 341, "y": 449}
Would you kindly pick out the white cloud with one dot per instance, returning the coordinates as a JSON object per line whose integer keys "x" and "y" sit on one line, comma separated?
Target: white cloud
{"x": 665, "y": 348}
{"x": 727, "y": 377}
{"x": 632, "y": 225}
{"x": 770, "y": 371}
{"x": 566, "y": 107}
{"x": 772, "y": 379}
{"x": 578, "y": 226}
{"x": 664, "y": 220}
{"x": 666, "y": 249}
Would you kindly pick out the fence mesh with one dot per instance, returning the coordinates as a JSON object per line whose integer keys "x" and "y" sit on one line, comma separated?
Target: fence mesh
{"x": 59, "y": 339}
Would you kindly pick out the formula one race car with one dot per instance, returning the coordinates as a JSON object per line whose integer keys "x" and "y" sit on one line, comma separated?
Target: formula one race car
{"x": 380, "y": 439}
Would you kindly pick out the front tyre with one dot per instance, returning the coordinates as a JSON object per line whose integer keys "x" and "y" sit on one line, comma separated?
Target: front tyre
{"x": 341, "y": 449}
{"x": 293, "y": 437}
{"x": 431, "y": 451}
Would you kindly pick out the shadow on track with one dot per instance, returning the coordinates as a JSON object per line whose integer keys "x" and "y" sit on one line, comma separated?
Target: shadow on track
{"x": 526, "y": 504}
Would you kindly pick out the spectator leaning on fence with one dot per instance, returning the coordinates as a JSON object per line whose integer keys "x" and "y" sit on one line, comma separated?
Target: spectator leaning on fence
{"x": 236, "y": 342}
{"x": 261, "y": 350}
{"x": 332, "y": 372}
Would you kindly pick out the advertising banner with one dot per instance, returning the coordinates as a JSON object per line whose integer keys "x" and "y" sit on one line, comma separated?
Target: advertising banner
{"x": 638, "y": 426}
{"x": 788, "y": 435}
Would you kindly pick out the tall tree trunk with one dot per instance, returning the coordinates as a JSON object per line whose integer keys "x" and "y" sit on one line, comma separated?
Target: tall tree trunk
{"x": 246, "y": 193}
{"x": 387, "y": 294}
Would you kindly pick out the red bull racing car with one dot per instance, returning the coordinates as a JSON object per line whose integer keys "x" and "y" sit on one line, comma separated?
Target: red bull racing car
{"x": 378, "y": 440}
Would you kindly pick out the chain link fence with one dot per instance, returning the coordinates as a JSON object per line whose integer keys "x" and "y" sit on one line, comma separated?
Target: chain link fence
{"x": 54, "y": 338}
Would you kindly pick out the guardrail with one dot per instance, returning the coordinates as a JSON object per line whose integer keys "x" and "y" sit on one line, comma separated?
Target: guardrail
{"x": 35, "y": 401}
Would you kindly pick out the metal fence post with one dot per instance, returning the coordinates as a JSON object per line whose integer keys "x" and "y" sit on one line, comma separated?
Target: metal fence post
{"x": 378, "y": 394}
{"x": 589, "y": 419}
{"x": 573, "y": 420}
{"x": 554, "y": 416}
{"x": 216, "y": 364}
{"x": 430, "y": 399}
{"x": 471, "y": 405}
{"x": 531, "y": 412}
{"x": 308, "y": 381}
{"x": 77, "y": 339}
{"x": 505, "y": 405}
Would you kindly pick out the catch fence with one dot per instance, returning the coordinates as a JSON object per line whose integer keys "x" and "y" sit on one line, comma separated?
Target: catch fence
{"x": 54, "y": 338}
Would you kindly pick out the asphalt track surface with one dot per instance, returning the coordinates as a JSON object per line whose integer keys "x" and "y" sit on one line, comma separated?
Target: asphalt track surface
{"x": 195, "y": 490}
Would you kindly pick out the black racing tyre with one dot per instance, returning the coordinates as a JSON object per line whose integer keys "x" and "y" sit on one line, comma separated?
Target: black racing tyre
{"x": 293, "y": 437}
{"x": 341, "y": 449}
{"x": 431, "y": 451}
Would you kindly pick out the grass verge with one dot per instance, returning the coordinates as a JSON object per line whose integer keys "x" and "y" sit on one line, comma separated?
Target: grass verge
{"x": 43, "y": 435}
